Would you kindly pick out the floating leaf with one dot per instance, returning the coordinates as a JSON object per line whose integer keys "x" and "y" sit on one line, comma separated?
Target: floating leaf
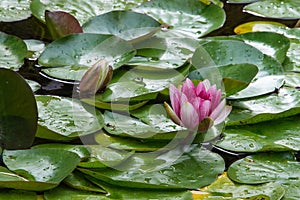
{"x": 272, "y": 44}
{"x": 224, "y": 187}
{"x": 276, "y": 135}
{"x": 18, "y": 111}
{"x": 61, "y": 24}
{"x": 287, "y": 9}
{"x": 163, "y": 53}
{"x": 77, "y": 181}
{"x": 33, "y": 85}
{"x": 194, "y": 169}
{"x": 139, "y": 85}
{"x": 278, "y": 105}
{"x": 82, "y": 10}
{"x": 235, "y": 76}
{"x": 12, "y": 51}
{"x": 127, "y": 25}
{"x": 17, "y": 194}
{"x": 224, "y": 52}
{"x": 190, "y": 18}
{"x": 128, "y": 144}
{"x": 45, "y": 166}
{"x": 78, "y": 52}
{"x": 14, "y": 10}
{"x": 65, "y": 193}
{"x": 263, "y": 168}
{"x": 75, "y": 119}
{"x": 261, "y": 86}
{"x": 102, "y": 156}
{"x": 82, "y": 151}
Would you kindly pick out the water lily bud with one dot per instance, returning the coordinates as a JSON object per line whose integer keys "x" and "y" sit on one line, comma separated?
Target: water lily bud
{"x": 95, "y": 79}
{"x": 197, "y": 108}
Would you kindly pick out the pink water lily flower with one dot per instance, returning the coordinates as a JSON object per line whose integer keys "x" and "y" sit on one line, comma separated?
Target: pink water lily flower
{"x": 197, "y": 107}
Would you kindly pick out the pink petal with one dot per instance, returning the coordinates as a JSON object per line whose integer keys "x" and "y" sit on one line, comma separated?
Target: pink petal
{"x": 172, "y": 114}
{"x": 215, "y": 96}
{"x": 206, "y": 84}
{"x": 225, "y": 112}
{"x": 216, "y": 112}
{"x": 200, "y": 89}
{"x": 204, "y": 110}
{"x": 188, "y": 88}
{"x": 175, "y": 98}
{"x": 220, "y": 113}
{"x": 189, "y": 116}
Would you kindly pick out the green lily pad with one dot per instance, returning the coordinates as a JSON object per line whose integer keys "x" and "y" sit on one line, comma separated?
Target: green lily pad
{"x": 82, "y": 10}
{"x": 126, "y": 126}
{"x": 33, "y": 85}
{"x": 77, "y": 180}
{"x": 265, "y": 167}
{"x": 261, "y": 86}
{"x": 235, "y": 77}
{"x": 128, "y": 144}
{"x": 82, "y": 151}
{"x": 272, "y": 44}
{"x": 18, "y": 111}
{"x": 35, "y": 47}
{"x": 292, "y": 188}
{"x": 61, "y": 24}
{"x": 292, "y": 63}
{"x": 224, "y": 52}
{"x": 163, "y": 53}
{"x": 284, "y": 103}
{"x": 292, "y": 80}
{"x": 116, "y": 106}
{"x": 287, "y": 9}
{"x": 219, "y": 53}
{"x": 65, "y": 193}
{"x": 183, "y": 173}
{"x": 17, "y": 194}
{"x": 14, "y": 10}
{"x": 70, "y": 57}
{"x": 139, "y": 85}
{"x": 49, "y": 166}
{"x": 11, "y": 180}
{"x": 127, "y": 25}
{"x": 12, "y": 51}
{"x": 276, "y": 135}
{"x": 224, "y": 187}
{"x": 190, "y": 18}
{"x": 103, "y": 156}
{"x": 75, "y": 119}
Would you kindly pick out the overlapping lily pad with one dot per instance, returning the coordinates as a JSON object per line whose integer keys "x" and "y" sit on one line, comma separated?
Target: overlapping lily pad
{"x": 18, "y": 111}
{"x": 14, "y": 10}
{"x": 224, "y": 187}
{"x": 81, "y": 9}
{"x": 12, "y": 51}
{"x": 75, "y": 119}
{"x": 263, "y": 168}
{"x": 276, "y": 135}
{"x": 163, "y": 53}
{"x": 139, "y": 85}
{"x": 37, "y": 169}
{"x": 287, "y": 9}
{"x": 65, "y": 193}
{"x": 127, "y": 25}
{"x": 277, "y": 105}
{"x": 71, "y": 56}
{"x": 183, "y": 173}
{"x": 184, "y": 18}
